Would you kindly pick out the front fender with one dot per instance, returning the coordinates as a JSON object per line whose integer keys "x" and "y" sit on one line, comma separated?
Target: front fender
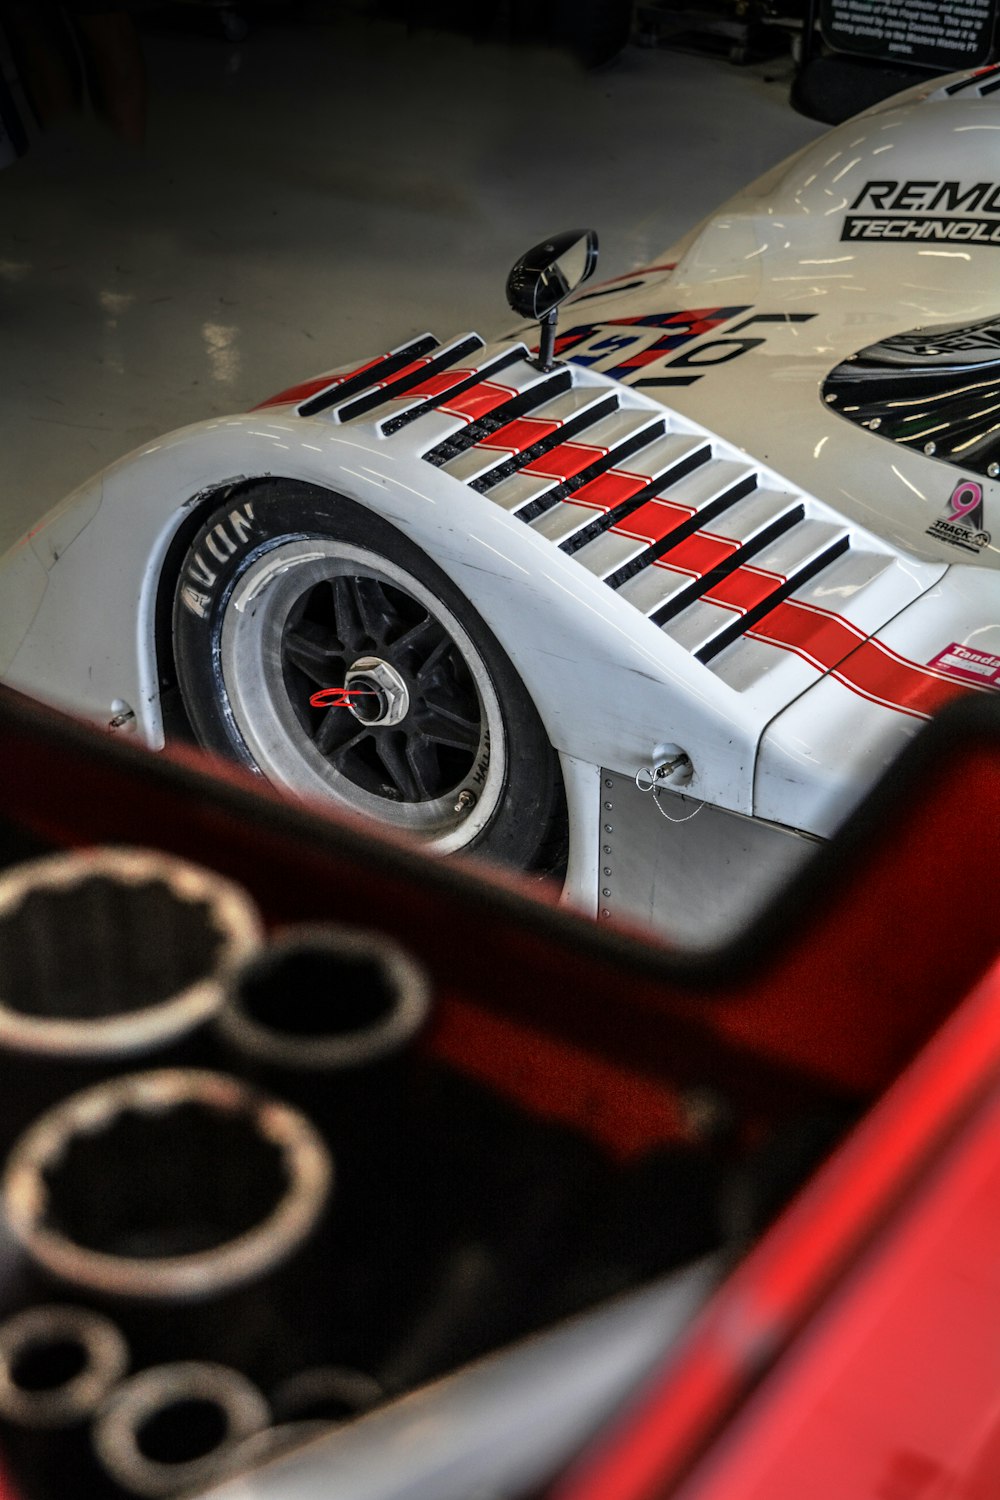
{"x": 79, "y": 596}
{"x": 611, "y": 686}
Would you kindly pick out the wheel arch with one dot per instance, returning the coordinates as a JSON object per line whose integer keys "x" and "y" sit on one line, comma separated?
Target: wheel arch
{"x": 196, "y": 519}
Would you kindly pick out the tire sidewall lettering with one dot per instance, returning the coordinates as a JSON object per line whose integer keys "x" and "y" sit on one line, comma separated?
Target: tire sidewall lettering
{"x": 215, "y": 549}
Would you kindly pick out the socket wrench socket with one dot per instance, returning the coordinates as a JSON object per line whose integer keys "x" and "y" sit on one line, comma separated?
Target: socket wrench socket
{"x": 114, "y": 953}
{"x": 325, "y": 999}
{"x": 165, "y": 1430}
{"x": 58, "y": 1363}
{"x": 176, "y": 1184}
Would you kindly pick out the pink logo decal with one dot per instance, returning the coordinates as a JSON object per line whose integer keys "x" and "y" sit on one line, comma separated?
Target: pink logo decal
{"x": 972, "y": 666}
{"x": 965, "y": 498}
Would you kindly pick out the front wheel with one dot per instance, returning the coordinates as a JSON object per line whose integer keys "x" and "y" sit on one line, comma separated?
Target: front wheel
{"x": 316, "y": 644}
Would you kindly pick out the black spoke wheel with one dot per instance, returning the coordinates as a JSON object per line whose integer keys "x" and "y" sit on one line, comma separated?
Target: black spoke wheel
{"x": 319, "y": 646}
{"x": 421, "y": 754}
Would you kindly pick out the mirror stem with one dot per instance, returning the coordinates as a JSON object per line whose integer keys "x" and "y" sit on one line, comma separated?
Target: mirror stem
{"x": 547, "y": 342}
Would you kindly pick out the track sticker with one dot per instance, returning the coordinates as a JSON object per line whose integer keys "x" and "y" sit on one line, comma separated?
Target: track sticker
{"x": 973, "y": 666}
{"x": 962, "y": 523}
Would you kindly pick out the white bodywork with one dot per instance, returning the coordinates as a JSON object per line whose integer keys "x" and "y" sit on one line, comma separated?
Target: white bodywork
{"x": 793, "y": 720}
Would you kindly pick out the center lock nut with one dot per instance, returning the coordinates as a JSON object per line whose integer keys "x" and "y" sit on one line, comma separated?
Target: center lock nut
{"x": 383, "y": 698}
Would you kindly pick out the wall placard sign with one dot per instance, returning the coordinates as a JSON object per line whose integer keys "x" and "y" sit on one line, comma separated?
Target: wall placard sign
{"x": 941, "y": 34}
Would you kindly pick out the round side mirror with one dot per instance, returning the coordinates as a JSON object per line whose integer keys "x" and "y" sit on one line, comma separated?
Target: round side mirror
{"x": 545, "y": 276}
{"x": 547, "y": 273}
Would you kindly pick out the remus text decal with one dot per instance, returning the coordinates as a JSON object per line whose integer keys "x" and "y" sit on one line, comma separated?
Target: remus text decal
{"x": 925, "y": 209}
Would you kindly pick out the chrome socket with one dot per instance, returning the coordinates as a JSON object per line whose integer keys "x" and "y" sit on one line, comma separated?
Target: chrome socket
{"x": 327, "y": 1016}
{"x": 166, "y": 1430}
{"x": 173, "y": 1185}
{"x": 109, "y": 957}
{"x": 115, "y": 953}
{"x": 325, "y": 999}
{"x": 58, "y": 1363}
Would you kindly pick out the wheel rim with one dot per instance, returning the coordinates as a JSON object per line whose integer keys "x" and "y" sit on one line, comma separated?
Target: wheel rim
{"x": 408, "y": 729}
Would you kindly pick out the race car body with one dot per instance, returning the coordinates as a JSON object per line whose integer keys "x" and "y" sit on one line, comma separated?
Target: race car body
{"x": 718, "y": 560}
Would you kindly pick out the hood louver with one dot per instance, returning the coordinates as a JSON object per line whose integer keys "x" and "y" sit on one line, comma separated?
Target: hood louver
{"x": 709, "y": 546}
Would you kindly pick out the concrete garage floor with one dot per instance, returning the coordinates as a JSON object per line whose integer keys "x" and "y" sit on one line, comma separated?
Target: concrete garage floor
{"x": 318, "y": 194}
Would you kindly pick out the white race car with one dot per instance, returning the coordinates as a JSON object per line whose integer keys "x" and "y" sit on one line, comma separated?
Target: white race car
{"x": 669, "y": 598}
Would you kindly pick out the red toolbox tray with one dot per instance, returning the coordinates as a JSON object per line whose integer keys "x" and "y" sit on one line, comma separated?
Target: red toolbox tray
{"x": 826, "y": 1001}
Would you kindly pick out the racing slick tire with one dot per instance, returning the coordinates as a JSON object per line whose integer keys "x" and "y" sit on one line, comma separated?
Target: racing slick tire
{"x": 317, "y": 645}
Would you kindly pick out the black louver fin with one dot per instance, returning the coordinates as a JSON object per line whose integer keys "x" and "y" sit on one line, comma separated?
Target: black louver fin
{"x": 621, "y": 512}
{"x": 622, "y": 451}
{"x": 783, "y": 591}
{"x": 686, "y": 528}
{"x": 380, "y": 370}
{"x": 479, "y": 377}
{"x": 563, "y": 434}
{"x": 442, "y": 361}
{"x": 517, "y": 406}
{"x": 699, "y": 587}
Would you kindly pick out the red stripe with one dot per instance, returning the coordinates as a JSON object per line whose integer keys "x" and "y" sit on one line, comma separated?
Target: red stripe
{"x": 883, "y": 677}
{"x": 608, "y": 490}
{"x": 417, "y": 364}
{"x": 653, "y": 521}
{"x": 476, "y": 402}
{"x": 436, "y": 385}
{"x": 867, "y": 667}
{"x": 479, "y": 401}
{"x": 296, "y": 393}
{"x": 698, "y": 554}
{"x": 522, "y": 433}
{"x": 821, "y": 638}
{"x": 565, "y": 461}
{"x": 828, "y": 642}
{"x": 744, "y": 588}
{"x": 700, "y": 325}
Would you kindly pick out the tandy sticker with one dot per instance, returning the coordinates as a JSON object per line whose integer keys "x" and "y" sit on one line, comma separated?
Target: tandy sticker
{"x": 974, "y": 666}
{"x": 962, "y": 523}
